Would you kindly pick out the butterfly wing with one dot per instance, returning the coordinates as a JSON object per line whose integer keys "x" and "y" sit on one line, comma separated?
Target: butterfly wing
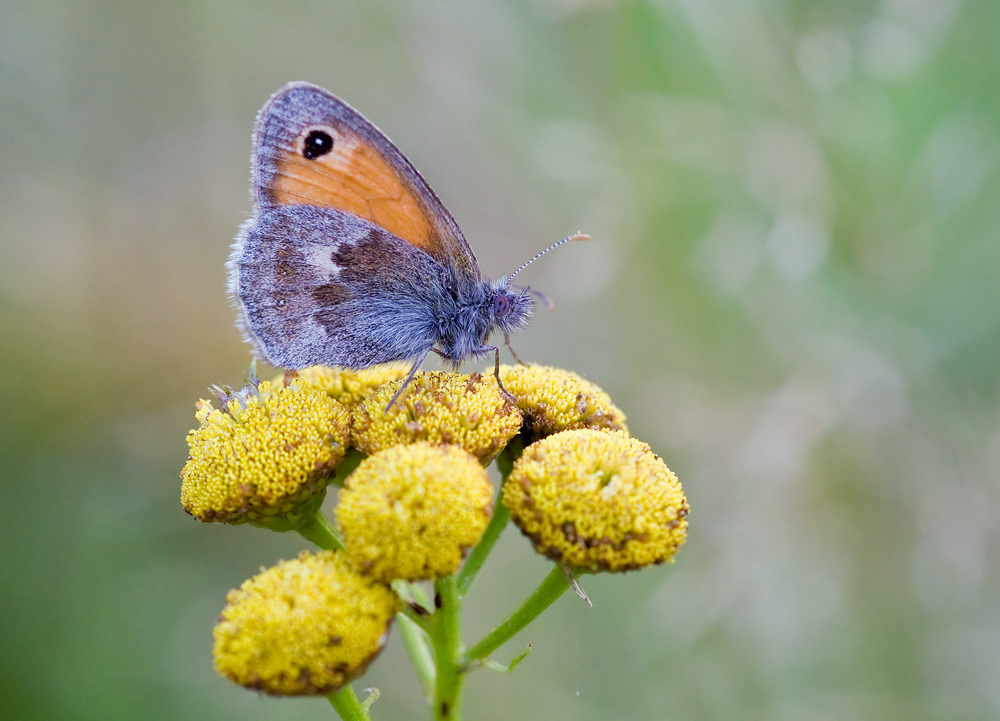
{"x": 322, "y": 286}
{"x": 312, "y": 148}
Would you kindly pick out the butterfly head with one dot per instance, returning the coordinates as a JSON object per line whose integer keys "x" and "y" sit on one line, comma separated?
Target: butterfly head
{"x": 508, "y": 307}
{"x": 499, "y": 306}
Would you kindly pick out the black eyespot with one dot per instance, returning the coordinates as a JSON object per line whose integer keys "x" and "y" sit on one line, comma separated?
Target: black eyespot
{"x": 501, "y": 306}
{"x": 318, "y": 143}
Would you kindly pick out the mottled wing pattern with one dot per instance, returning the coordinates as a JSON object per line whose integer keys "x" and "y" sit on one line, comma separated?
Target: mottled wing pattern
{"x": 322, "y": 286}
{"x": 363, "y": 174}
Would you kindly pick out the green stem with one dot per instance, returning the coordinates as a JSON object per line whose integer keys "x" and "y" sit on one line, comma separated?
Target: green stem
{"x": 447, "y": 640}
{"x": 415, "y": 641}
{"x": 511, "y": 452}
{"x": 554, "y": 585}
{"x": 347, "y": 465}
{"x": 501, "y": 515}
{"x": 422, "y": 621}
{"x": 320, "y": 531}
{"x": 347, "y": 704}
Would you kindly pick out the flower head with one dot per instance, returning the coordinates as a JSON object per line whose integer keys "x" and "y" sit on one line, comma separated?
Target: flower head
{"x": 554, "y": 400}
{"x": 468, "y": 411}
{"x": 263, "y": 455}
{"x": 597, "y": 501}
{"x": 306, "y": 626}
{"x": 412, "y": 511}
{"x": 350, "y": 387}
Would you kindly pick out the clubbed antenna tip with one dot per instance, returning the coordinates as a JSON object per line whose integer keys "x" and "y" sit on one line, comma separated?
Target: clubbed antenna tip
{"x": 576, "y": 236}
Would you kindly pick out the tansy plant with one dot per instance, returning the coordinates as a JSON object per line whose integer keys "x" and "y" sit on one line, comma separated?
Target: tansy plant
{"x": 415, "y": 504}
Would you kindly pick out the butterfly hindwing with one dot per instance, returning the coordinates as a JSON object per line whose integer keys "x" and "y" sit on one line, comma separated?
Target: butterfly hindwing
{"x": 316, "y": 286}
{"x": 311, "y": 148}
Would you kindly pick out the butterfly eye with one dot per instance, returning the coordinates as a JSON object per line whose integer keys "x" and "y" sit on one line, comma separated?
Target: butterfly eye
{"x": 318, "y": 142}
{"x": 501, "y": 306}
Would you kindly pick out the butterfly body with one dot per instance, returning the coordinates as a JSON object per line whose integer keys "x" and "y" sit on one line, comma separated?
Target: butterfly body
{"x": 350, "y": 259}
{"x": 320, "y": 286}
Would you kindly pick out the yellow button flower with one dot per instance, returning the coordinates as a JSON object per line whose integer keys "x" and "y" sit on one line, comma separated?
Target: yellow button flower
{"x": 411, "y": 512}
{"x": 350, "y": 387}
{"x": 554, "y": 400}
{"x": 597, "y": 501}
{"x": 303, "y": 627}
{"x": 269, "y": 452}
{"x": 464, "y": 410}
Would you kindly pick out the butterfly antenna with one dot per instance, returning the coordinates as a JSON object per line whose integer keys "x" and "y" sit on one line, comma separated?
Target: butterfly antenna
{"x": 577, "y": 236}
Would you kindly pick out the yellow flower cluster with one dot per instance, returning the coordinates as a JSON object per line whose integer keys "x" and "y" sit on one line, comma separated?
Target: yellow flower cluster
{"x": 468, "y": 411}
{"x": 350, "y": 387}
{"x": 305, "y": 626}
{"x": 586, "y": 494}
{"x": 554, "y": 400}
{"x": 597, "y": 501}
{"x": 263, "y": 456}
{"x": 411, "y": 512}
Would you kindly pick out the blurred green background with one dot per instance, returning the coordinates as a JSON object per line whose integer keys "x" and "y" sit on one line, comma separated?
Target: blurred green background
{"x": 792, "y": 291}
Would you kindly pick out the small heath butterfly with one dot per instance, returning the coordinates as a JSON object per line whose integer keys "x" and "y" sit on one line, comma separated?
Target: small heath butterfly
{"x": 350, "y": 259}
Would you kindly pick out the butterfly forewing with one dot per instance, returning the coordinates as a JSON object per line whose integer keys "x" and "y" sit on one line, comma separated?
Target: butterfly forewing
{"x": 311, "y": 148}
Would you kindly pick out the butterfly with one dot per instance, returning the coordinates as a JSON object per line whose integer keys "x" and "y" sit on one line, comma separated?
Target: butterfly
{"x": 349, "y": 258}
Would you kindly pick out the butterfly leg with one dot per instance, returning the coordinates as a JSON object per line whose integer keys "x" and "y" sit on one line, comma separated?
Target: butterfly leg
{"x": 496, "y": 369}
{"x": 413, "y": 372}
{"x": 506, "y": 342}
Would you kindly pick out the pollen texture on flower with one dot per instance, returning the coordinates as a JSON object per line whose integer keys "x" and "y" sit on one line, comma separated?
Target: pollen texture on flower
{"x": 264, "y": 458}
{"x": 554, "y": 400}
{"x": 597, "y": 501}
{"x": 463, "y": 410}
{"x": 351, "y": 387}
{"x": 303, "y": 627}
{"x": 412, "y": 511}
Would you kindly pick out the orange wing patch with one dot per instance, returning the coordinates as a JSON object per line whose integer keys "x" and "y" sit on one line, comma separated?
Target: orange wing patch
{"x": 355, "y": 178}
